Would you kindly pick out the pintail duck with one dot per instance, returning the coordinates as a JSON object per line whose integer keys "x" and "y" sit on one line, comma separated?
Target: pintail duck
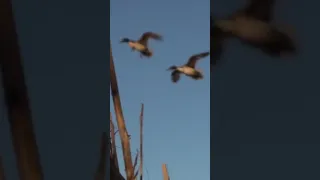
{"x": 188, "y": 69}
{"x": 141, "y": 45}
{"x": 252, "y": 26}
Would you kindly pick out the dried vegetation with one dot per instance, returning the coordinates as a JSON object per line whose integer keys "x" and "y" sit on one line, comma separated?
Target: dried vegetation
{"x": 131, "y": 169}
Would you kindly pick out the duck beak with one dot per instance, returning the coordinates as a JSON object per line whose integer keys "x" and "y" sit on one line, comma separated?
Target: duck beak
{"x": 122, "y": 40}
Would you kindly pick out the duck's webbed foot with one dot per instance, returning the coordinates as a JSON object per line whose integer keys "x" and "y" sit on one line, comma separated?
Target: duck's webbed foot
{"x": 141, "y": 56}
{"x": 132, "y": 49}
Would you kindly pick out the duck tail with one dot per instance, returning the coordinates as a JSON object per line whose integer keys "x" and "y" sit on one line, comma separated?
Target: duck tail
{"x": 287, "y": 29}
{"x": 151, "y": 52}
{"x": 287, "y": 40}
{"x": 148, "y": 53}
{"x": 200, "y": 75}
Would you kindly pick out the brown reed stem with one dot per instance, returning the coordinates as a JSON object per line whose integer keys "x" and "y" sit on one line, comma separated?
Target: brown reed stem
{"x": 165, "y": 172}
{"x": 120, "y": 120}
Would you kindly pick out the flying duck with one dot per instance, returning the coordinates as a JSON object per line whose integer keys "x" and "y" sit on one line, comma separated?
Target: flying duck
{"x": 188, "y": 69}
{"x": 252, "y": 26}
{"x": 141, "y": 45}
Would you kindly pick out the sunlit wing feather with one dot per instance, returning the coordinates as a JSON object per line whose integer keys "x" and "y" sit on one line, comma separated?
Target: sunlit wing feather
{"x": 193, "y": 59}
{"x": 146, "y": 36}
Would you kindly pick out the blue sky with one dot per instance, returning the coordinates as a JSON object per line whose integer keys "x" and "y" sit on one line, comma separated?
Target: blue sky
{"x": 177, "y": 116}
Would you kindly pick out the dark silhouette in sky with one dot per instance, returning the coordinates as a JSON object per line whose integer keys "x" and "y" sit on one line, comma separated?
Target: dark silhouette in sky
{"x": 65, "y": 48}
{"x": 266, "y": 110}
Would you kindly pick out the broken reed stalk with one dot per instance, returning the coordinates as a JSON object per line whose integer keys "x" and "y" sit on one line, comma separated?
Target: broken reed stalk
{"x": 113, "y": 144}
{"x": 165, "y": 172}
{"x": 2, "y": 175}
{"x": 101, "y": 173}
{"x": 16, "y": 98}
{"x": 141, "y": 142}
{"x": 120, "y": 120}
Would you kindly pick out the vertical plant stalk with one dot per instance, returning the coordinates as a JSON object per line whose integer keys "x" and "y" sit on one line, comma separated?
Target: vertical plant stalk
{"x": 2, "y": 174}
{"x": 165, "y": 172}
{"x": 141, "y": 141}
{"x": 101, "y": 173}
{"x": 120, "y": 121}
{"x": 16, "y": 98}
{"x": 113, "y": 144}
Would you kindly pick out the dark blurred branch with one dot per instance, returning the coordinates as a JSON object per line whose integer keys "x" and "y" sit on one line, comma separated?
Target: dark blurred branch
{"x": 16, "y": 97}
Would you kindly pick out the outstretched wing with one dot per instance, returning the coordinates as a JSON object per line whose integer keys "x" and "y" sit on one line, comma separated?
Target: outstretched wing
{"x": 259, "y": 9}
{"x": 145, "y": 37}
{"x": 193, "y": 59}
{"x": 175, "y": 76}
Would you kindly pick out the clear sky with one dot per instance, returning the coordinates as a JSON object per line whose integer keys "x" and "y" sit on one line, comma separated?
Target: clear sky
{"x": 177, "y": 116}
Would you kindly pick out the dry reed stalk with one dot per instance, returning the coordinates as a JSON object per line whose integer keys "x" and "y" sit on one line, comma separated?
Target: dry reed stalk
{"x": 16, "y": 96}
{"x": 2, "y": 174}
{"x": 120, "y": 120}
{"x": 165, "y": 172}
{"x": 101, "y": 173}
{"x": 113, "y": 144}
{"x": 141, "y": 141}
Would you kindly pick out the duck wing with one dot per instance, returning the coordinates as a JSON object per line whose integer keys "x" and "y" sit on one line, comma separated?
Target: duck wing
{"x": 258, "y": 9}
{"x": 147, "y": 35}
{"x": 193, "y": 59}
{"x": 175, "y": 76}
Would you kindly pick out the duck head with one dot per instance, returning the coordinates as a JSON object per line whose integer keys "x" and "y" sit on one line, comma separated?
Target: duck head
{"x": 172, "y": 68}
{"x": 124, "y": 40}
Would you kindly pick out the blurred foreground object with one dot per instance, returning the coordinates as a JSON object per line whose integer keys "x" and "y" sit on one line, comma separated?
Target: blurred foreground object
{"x": 252, "y": 26}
